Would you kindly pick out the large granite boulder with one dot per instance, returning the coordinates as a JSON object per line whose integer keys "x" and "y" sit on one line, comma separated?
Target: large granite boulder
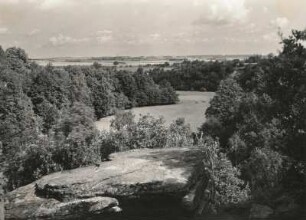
{"x": 154, "y": 176}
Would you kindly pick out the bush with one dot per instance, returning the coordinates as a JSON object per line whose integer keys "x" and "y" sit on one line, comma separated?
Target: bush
{"x": 32, "y": 163}
{"x": 179, "y": 134}
{"x": 224, "y": 185}
{"x": 108, "y": 144}
{"x": 264, "y": 168}
{"x": 147, "y": 132}
{"x": 76, "y": 138}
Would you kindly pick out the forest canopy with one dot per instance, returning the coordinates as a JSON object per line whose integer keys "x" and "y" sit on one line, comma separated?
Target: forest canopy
{"x": 259, "y": 117}
{"x": 47, "y": 113}
{"x": 195, "y": 75}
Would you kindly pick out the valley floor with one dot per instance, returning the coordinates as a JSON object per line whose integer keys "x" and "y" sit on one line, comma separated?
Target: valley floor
{"x": 192, "y": 107}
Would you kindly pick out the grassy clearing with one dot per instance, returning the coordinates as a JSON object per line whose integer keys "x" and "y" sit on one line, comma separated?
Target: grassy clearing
{"x": 192, "y": 107}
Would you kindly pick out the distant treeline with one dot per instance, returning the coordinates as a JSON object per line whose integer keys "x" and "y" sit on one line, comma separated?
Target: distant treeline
{"x": 195, "y": 75}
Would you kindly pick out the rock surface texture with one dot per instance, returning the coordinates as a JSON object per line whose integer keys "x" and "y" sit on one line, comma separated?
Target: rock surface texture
{"x": 158, "y": 176}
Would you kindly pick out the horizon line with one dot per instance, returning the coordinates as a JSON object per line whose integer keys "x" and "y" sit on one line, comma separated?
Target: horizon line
{"x": 146, "y": 56}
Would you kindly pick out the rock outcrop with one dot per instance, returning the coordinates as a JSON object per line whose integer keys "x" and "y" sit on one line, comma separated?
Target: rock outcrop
{"x": 153, "y": 175}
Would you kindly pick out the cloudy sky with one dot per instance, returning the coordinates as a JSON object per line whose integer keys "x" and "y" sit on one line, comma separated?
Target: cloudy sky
{"x": 50, "y": 28}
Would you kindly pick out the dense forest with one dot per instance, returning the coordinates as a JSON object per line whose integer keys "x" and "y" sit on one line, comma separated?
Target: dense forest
{"x": 259, "y": 117}
{"x": 195, "y": 75}
{"x": 254, "y": 138}
{"x": 47, "y": 113}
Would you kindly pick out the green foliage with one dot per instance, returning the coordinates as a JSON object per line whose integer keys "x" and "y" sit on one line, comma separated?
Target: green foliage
{"x": 18, "y": 123}
{"x": 102, "y": 92}
{"x": 194, "y": 75}
{"x": 47, "y": 114}
{"x": 109, "y": 143}
{"x": 123, "y": 121}
{"x": 148, "y": 92}
{"x": 16, "y": 58}
{"x": 127, "y": 85}
{"x": 2, "y": 169}
{"x": 149, "y": 133}
{"x": 226, "y": 102}
{"x": 60, "y": 104}
{"x": 78, "y": 91}
{"x": 264, "y": 168}
{"x": 16, "y": 54}
{"x": 76, "y": 138}
{"x": 168, "y": 94}
{"x": 146, "y": 132}
{"x": 179, "y": 134}
{"x": 50, "y": 84}
{"x": 221, "y": 113}
{"x": 2, "y": 56}
{"x": 31, "y": 163}
{"x": 259, "y": 117}
{"x": 225, "y": 188}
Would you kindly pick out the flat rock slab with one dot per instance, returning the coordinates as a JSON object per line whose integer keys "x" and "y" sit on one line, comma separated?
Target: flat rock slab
{"x": 97, "y": 189}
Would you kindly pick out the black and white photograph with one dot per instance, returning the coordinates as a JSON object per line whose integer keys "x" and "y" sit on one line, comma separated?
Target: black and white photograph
{"x": 153, "y": 109}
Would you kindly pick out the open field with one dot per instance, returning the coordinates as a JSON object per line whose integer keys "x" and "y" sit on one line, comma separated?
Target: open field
{"x": 192, "y": 107}
{"x": 128, "y": 62}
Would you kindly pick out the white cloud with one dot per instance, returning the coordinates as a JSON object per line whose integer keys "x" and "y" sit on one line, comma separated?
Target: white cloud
{"x": 222, "y": 11}
{"x": 3, "y": 30}
{"x": 34, "y": 32}
{"x": 280, "y": 22}
{"x": 61, "y": 40}
{"x": 134, "y": 26}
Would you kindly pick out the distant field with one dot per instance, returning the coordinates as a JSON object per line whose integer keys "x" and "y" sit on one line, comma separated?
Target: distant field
{"x": 86, "y": 62}
{"x": 192, "y": 107}
{"x": 128, "y": 67}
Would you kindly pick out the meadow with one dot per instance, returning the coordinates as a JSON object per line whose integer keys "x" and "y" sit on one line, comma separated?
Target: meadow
{"x": 192, "y": 107}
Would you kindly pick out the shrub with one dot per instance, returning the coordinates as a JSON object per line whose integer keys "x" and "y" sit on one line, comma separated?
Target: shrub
{"x": 107, "y": 144}
{"x": 264, "y": 168}
{"x": 76, "y": 138}
{"x": 31, "y": 163}
{"x": 179, "y": 134}
{"x": 149, "y": 133}
{"x": 225, "y": 186}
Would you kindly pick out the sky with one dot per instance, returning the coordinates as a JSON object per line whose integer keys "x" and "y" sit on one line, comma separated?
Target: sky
{"x": 79, "y": 28}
